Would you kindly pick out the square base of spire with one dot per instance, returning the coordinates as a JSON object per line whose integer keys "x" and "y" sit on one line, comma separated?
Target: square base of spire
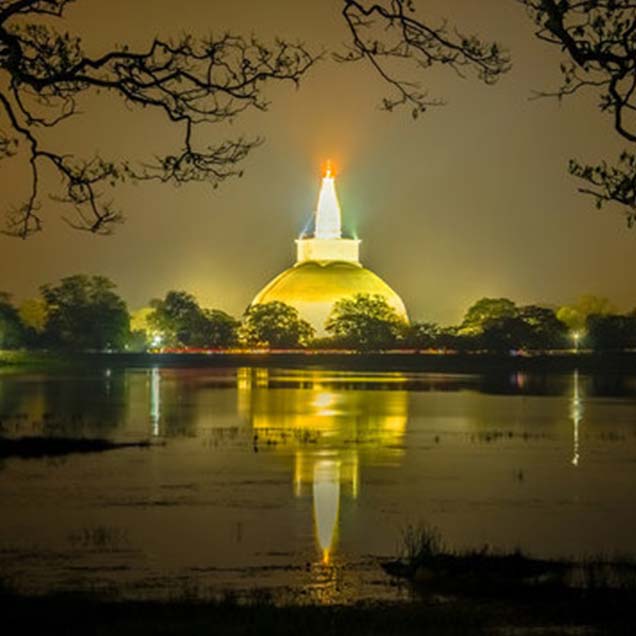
{"x": 338, "y": 249}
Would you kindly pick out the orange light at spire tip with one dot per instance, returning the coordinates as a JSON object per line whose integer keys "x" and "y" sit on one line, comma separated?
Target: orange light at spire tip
{"x": 329, "y": 171}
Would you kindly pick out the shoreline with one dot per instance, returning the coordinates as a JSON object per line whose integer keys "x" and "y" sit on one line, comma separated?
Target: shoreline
{"x": 558, "y": 362}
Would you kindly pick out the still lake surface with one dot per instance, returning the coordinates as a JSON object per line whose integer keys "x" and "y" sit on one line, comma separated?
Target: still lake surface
{"x": 298, "y": 482}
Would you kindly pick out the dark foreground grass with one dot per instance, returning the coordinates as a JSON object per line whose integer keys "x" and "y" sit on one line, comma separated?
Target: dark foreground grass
{"x": 37, "y": 447}
{"x": 69, "y": 614}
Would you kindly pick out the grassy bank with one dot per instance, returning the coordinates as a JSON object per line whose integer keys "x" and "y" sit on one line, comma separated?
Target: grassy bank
{"x": 17, "y": 360}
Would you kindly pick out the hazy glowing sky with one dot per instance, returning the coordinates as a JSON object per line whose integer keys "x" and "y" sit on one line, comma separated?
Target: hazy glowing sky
{"x": 471, "y": 200}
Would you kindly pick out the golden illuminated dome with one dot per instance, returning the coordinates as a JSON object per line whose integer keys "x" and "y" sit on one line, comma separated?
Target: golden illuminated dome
{"x": 327, "y": 268}
{"x": 313, "y": 287}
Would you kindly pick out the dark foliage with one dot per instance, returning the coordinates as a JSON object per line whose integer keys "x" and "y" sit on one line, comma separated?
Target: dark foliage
{"x": 611, "y": 333}
{"x": 183, "y": 323}
{"x": 365, "y": 322}
{"x": 275, "y": 325}
{"x": 497, "y": 324}
{"x": 85, "y": 313}
{"x": 12, "y": 332}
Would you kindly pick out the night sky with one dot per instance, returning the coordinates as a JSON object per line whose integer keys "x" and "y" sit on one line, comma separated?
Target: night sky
{"x": 473, "y": 199}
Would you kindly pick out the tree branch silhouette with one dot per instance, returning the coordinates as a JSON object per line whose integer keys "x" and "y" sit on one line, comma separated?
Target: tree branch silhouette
{"x": 43, "y": 71}
{"x": 382, "y": 32}
{"x": 598, "y": 38}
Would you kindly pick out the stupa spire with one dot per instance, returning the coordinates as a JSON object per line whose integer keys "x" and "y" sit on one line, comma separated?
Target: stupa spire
{"x": 328, "y": 215}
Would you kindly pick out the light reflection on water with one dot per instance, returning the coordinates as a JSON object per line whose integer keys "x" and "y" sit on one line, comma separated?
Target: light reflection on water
{"x": 298, "y": 480}
{"x": 576, "y": 411}
{"x": 328, "y": 429}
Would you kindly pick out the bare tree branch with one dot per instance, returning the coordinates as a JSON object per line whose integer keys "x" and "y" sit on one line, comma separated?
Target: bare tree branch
{"x": 389, "y": 30}
{"x": 598, "y": 38}
{"x": 191, "y": 81}
{"x": 43, "y": 73}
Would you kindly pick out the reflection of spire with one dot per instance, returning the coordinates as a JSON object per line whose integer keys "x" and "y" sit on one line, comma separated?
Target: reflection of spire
{"x": 326, "y": 503}
{"x": 576, "y": 413}
{"x": 334, "y": 429}
{"x": 155, "y": 400}
{"x": 328, "y": 223}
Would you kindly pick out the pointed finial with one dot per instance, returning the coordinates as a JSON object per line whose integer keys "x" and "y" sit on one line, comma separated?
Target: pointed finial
{"x": 328, "y": 215}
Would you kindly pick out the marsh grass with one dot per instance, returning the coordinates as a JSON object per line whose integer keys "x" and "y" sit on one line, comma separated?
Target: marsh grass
{"x": 425, "y": 560}
{"x": 419, "y": 544}
{"x": 101, "y": 538}
{"x": 604, "y": 573}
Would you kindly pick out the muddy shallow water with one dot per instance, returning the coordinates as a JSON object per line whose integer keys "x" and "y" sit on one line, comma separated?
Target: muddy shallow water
{"x": 299, "y": 482}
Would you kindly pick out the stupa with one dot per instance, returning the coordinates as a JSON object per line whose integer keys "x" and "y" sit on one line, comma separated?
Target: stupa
{"x": 327, "y": 267}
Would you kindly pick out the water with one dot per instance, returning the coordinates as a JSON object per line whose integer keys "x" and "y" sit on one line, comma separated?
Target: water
{"x": 299, "y": 483}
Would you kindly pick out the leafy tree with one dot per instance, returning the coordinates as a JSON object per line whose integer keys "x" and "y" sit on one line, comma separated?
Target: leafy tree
{"x": 450, "y": 340}
{"x": 422, "y": 335}
{"x": 484, "y": 311}
{"x": 33, "y": 314}
{"x": 497, "y": 324}
{"x": 141, "y": 333}
{"x": 177, "y": 317}
{"x": 611, "y": 332}
{"x": 575, "y": 316}
{"x": 365, "y": 322}
{"x": 11, "y": 330}
{"x": 192, "y": 82}
{"x": 221, "y": 329}
{"x": 547, "y": 331}
{"x": 505, "y": 334}
{"x": 85, "y": 313}
{"x": 274, "y": 325}
{"x": 183, "y": 323}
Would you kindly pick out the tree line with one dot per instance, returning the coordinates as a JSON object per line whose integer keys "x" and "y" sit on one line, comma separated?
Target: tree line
{"x": 85, "y": 313}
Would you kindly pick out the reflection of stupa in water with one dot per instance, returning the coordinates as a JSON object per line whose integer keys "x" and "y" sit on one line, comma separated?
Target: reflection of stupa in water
{"x": 327, "y": 267}
{"x": 332, "y": 432}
